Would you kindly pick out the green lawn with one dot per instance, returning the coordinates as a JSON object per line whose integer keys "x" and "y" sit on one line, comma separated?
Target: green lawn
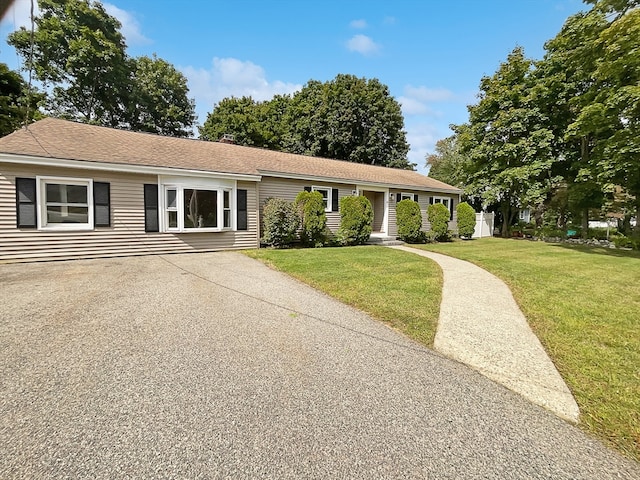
{"x": 400, "y": 289}
{"x": 584, "y": 305}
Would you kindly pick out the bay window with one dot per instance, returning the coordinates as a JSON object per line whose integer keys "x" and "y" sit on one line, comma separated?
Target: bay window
{"x": 191, "y": 208}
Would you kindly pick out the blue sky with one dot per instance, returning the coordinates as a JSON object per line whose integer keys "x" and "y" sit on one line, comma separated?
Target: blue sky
{"x": 432, "y": 54}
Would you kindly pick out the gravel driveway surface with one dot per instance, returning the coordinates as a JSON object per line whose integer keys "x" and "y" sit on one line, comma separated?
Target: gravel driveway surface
{"x": 214, "y": 366}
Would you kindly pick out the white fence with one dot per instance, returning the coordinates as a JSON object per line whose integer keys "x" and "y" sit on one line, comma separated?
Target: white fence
{"x": 484, "y": 225}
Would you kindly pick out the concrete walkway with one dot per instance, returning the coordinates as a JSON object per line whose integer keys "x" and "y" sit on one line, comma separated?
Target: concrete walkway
{"x": 481, "y": 326}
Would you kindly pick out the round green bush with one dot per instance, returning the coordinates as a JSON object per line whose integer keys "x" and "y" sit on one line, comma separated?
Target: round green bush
{"x": 356, "y": 218}
{"x": 466, "y": 220}
{"x": 438, "y": 215}
{"x": 280, "y": 222}
{"x": 409, "y": 221}
{"x": 310, "y": 208}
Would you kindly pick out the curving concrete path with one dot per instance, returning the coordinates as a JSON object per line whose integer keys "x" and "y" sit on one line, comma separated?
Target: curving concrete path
{"x": 481, "y": 326}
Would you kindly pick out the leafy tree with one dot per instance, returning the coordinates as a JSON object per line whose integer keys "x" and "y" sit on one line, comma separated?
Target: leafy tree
{"x": 348, "y": 118}
{"x": 466, "y": 216}
{"x": 280, "y": 222}
{"x": 313, "y": 218}
{"x": 448, "y": 164}
{"x": 159, "y": 102}
{"x": 616, "y": 107}
{"x": 507, "y": 141}
{"x": 438, "y": 215}
{"x": 567, "y": 85}
{"x": 79, "y": 55}
{"x": 356, "y": 219}
{"x": 409, "y": 220}
{"x": 237, "y": 116}
{"x": 17, "y": 104}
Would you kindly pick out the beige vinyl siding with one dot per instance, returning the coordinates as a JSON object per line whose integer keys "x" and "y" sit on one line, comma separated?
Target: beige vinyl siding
{"x": 126, "y": 236}
{"x": 288, "y": 189}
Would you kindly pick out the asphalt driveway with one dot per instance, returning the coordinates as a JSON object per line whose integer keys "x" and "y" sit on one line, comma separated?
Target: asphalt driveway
{"x": 214, "y": 366}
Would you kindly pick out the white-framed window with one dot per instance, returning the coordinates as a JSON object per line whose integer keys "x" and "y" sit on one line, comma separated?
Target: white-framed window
{"x": 446, "y": 201}
{"x": 197, "y": 208}
{"x": 326, "y": 193}
{"x": 406, "y": 196}
{"x": 64, "y": 203}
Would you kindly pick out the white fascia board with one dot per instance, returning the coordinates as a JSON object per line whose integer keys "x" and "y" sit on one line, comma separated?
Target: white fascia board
{"x": 122, "y": 167}
{"x": 359, "y": 183}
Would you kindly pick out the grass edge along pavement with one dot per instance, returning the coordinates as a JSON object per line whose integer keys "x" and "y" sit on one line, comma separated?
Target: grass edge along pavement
{"x": 583, "y": 304}
{"x": 402, "y": 290}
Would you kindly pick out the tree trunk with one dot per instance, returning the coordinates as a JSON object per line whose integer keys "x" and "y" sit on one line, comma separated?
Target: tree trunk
{"x": 585, "y": 224}
{"x": 636, "y": 230}
{"x": 505, "y": 209}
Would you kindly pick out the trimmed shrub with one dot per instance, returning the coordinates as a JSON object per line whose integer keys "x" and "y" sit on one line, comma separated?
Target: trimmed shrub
{"x": 439, "y": 219}
{"x": 409, "y": 221}
{"x": 280, "y": 222}
{"x": 356, "y": 218}
{"x": 466, "y": 220}
{"x": 310, "y": 208}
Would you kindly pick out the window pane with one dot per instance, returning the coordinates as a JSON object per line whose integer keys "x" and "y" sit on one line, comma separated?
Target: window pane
{"x": 226, "y": 201}
{"x": 200, "y": 208}
{"x": 227, "y": 218}
{"x": 171, "y": 199}
{"x": 61, "y": 214}
{"x": 76, "y": 193}
{"x": 54, "y": 194}
{"x": 173, "y": 219}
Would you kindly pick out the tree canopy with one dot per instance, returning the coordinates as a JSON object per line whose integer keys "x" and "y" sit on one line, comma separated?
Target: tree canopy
{"x": 560, "y": 134}
{"x": 348, "y": 118}
{"x": 80, "y": 58}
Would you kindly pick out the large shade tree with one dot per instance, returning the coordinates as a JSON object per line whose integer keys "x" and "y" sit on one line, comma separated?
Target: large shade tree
{"x": 507, "y": 141}
{"x": 348, "y": 118}
{"x": 158, "y": 102}
{"x": 79, "y": 56}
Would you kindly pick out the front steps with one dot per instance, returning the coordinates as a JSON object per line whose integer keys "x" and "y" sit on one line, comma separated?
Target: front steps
{"x": 384, "y": 241}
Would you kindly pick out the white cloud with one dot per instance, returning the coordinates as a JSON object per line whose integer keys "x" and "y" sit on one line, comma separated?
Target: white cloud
{"x": 362, "y": 44}
{"x": 412, "y": 106}
{"x": 361, "y": 23}
{"x": 130, "y": 25}
{"x": 231, "y": 77}
{"x": 19, "y": 14}
{"x": 425, "y": 94}
{"x": 416, "y": 100}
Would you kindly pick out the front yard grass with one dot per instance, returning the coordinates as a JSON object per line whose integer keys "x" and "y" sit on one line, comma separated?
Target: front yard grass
{"x": 584, "y": 305}
{"x": 399, "y": 289}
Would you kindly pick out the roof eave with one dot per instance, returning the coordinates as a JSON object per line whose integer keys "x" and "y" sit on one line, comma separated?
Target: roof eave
{"x": 120, "y": 167}
{"x": 396, "y": 186}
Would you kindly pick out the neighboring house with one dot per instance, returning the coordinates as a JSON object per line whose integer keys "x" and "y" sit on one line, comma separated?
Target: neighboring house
{"x": 71, "y": 190}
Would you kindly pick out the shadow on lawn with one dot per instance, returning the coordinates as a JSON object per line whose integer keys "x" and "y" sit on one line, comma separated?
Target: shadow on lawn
{"x": 611, "y": 252}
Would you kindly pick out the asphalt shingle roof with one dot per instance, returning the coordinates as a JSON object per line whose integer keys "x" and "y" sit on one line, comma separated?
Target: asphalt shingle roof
{"x": 62, "y": 139}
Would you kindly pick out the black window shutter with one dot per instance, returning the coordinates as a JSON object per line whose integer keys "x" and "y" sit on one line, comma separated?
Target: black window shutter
{"x": 26, "y": 203}
{"x": 415, "y": 197}
{"x": 398, "y": 197}
{"x": 451, "y": 209}
{"x": 334, "y": 200}
{"x": 430, "y": 200}
{"x": 151, "y": 223}
{"x": 101, "y": 204}
{"x": 307, "y": 189}
{"x": 241, "y": 202}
